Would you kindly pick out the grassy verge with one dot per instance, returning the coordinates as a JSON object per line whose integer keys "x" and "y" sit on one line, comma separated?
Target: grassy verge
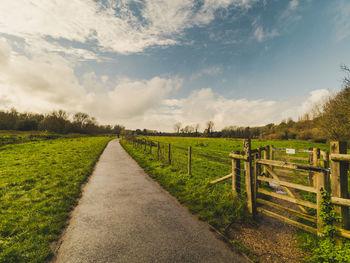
{"x": 39, "y": 184}
{"x": 214, "y": 204}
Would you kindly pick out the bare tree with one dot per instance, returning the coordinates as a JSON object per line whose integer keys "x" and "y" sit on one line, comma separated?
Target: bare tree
{"x": 177, "y": 127}
{"x": 210, "y": 126}
{"x": 190, "y": 129}
{"x": 196, "y": 127}
{"x": 81, "y": 119}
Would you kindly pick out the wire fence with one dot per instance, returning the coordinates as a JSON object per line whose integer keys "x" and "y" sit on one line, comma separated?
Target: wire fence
{"x": 190, "y": 160}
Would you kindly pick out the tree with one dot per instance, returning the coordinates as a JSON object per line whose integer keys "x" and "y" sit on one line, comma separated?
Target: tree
{"x": 56, "y": 121}
{"x": 196, "y": 127}
{"x": 210, "y": 127}
{"x": 80, "y": 119}
{"x": 118, "y": 129}
{"x": 177, "y": 127}
{"x": 333, "y": 116}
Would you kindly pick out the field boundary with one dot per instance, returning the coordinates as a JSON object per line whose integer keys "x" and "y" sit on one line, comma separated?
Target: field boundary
{"x": 329, "y": 173}
{"x": 252, "y": 168}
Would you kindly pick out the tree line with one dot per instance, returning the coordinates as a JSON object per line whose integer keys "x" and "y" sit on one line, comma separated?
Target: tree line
{"x": 329, "y": 120}
{"x": 57, "y": 121}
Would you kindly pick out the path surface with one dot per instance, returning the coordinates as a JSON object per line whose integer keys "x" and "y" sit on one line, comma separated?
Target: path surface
{"x": 124, "y": 216}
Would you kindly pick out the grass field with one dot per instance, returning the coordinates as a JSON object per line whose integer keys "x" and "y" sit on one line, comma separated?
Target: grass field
{"x": 12, "y": 137}
{"x": 223, "y": 146}
{"x": 210, "y": 160}
{"x": 39, "y": 185}
{"x": 212, "y": 204}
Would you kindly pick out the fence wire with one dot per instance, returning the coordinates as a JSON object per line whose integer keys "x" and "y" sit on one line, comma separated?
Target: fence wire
{"x": 206, "y": 166}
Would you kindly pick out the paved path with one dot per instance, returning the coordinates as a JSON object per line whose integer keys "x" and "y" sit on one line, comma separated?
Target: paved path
{"x": 124, "y": 216}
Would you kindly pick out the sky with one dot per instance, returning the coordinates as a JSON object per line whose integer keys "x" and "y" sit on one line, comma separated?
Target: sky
{"x": 153, "y": 63}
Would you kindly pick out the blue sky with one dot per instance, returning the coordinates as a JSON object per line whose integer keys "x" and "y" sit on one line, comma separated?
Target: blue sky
{"x": 152, "y": 63}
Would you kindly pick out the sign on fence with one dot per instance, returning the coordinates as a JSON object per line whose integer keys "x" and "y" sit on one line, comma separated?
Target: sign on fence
{"x": 290, "y": 151}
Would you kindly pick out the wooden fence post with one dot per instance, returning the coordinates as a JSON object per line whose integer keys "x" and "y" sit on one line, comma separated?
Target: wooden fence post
{"x": 249, "y": 177}
{"x": 150, "y": 147}
{"x": 325, "y": 157}
{"x": 145, "y": 144}
{"x": 255, "y": 177}
{"x": 322, "y": 183}
{"x": 169, "y": 154}
{"x": 258, "y": 167}
{"x": 266, "y": 156}
{"x": 315, "y": 156}
{"x": 315, "y": 162}
{"x": 339, "y": 180}
{"x": 189, "y": 160}
{"x": 158, "y": 149}
{"x": 236, "y": 176}
{"x": 272, "y": 154}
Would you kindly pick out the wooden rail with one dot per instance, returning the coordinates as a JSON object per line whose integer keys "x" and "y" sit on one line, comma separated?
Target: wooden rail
{"x": 325, "y": 171}
{"x": 289, "y": 210}
{"x": 293, "y": 166}
{"x": 221, "y": 179}
{"x": 340, "y": 157}
{"x": 340, "y": 201}
{"x": 287, "y": 198}
{"x": 288, "y": 191}
{"x": 287, "y": 220}
{"x": 292, "y": 185}
{"x": 237, "y": 156}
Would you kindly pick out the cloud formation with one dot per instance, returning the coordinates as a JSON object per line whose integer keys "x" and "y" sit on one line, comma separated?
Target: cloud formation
{"x": 47, "y": 83}
{"x": 123, "y": 27}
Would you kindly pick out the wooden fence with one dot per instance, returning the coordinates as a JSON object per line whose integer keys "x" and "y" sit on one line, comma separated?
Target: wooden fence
{"x": 180, "y": 157}
{"x": 324, "y": 171}
{"x": 299, "y": 174}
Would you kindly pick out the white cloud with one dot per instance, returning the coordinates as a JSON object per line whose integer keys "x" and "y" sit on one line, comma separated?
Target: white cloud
{"x": 316, "y": 97}
{"x": 204, "y": 105}
{"x": 46, "y": 83}
{"x": 113, "y": 25}
{"x": 130, "y": 98}
{"x": 42, "y": 84}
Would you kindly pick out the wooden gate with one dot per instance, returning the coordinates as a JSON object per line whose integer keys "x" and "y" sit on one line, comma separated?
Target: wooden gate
{"x": 291, "y": 191}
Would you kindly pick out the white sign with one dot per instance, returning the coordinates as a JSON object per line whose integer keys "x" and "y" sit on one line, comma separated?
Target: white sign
{"x": 290, "y": 151}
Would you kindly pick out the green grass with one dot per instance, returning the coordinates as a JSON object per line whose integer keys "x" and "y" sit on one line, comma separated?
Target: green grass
{"x": 223, "y": 146}
{"x": 13, "y": 137}
{"x": 214, "y": 204}
{"x": 39, "y": 185}
{"x": 210, "y": 160}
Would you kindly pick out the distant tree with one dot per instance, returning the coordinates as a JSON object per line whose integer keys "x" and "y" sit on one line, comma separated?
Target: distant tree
{"x": 177, "y": 127}
{"x": 118, "y": 129}
{"x": 56, "y": 121}
{"x": 210, "y": 127}
{"x": 333, "y": 116}
{"x": 196, "y": 127}
{"x": 80, "y": 119}
{"x": 27, "y": 125}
